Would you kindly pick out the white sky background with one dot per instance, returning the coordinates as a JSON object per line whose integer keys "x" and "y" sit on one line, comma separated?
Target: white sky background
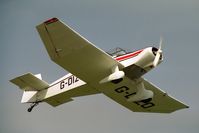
{"x": 130, "y": 24}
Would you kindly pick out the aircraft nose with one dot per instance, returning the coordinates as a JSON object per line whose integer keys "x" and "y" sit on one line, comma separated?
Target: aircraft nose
{"x": 154, "y": 50}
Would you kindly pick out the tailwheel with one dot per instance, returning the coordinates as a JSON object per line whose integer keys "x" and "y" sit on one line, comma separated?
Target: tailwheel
{"x": 32, "y": 106}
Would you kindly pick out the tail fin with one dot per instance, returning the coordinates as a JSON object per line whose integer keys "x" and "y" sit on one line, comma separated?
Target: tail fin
{"x": 30, "y": 84}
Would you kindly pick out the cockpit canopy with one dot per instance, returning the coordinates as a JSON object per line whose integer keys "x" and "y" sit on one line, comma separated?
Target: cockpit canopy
{"x": 117, "y": 52}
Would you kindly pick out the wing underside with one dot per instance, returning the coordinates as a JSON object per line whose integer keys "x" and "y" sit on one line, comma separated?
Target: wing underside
{"x": 70, "y": 50}
{"x": 68, "y": 95}
{"x": 161, "y": 102}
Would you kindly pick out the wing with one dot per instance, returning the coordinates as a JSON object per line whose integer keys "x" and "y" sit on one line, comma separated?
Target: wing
{"x": 70, "y": 50}
{"x": 69, "y": 93}
{"x": 161, "y": 103}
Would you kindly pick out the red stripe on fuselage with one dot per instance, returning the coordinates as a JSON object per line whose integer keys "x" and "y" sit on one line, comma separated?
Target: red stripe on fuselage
{"x": 127, "y": 56}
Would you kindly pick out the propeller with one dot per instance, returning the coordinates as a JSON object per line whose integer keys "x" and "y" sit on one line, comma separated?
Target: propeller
{"x": 158, "y": 54}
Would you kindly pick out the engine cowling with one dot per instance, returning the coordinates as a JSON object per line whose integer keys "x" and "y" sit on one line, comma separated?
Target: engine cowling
{"x": 145, "y": 58}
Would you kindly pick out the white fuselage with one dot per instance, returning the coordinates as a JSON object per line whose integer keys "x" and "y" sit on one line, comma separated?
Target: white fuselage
{"x": 142, "y": 58}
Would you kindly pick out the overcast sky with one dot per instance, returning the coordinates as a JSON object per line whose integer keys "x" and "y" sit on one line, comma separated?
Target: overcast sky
{"x": 130, "y": 24}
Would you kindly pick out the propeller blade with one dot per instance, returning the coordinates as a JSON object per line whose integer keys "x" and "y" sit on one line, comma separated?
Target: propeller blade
{"x": 158, "y": 54}
{"x": 156, "y": 60}
{"x": 160, "y": 43}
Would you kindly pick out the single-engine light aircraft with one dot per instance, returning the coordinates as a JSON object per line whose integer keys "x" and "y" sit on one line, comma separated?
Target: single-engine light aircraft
{"x": 118, "y": 75}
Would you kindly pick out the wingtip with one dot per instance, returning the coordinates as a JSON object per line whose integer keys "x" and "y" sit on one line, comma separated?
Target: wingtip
{"x": 52, "y": 20}
{"x": 187, "y": 107}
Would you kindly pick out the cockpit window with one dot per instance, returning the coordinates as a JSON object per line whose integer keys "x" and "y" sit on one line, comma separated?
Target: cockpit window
{"x": 116, "y": 52}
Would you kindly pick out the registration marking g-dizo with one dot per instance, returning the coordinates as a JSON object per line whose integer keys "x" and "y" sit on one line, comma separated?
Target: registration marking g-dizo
{"x": 68, "y": 81}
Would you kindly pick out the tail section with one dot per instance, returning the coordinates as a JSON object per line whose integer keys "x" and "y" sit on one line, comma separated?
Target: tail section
{"x": 61, "y": 91}
{"x": 30, "y": 84}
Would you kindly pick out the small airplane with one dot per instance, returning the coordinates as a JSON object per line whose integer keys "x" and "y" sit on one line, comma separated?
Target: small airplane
{"x": 118, "y": 75}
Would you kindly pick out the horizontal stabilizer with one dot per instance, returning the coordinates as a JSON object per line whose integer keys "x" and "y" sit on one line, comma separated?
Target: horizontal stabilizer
{"x": 29, "y": 82}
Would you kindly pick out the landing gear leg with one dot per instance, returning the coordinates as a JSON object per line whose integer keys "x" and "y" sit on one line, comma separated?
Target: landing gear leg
{"x": 142, "y": 94}
{"x": 32, "y": 106}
